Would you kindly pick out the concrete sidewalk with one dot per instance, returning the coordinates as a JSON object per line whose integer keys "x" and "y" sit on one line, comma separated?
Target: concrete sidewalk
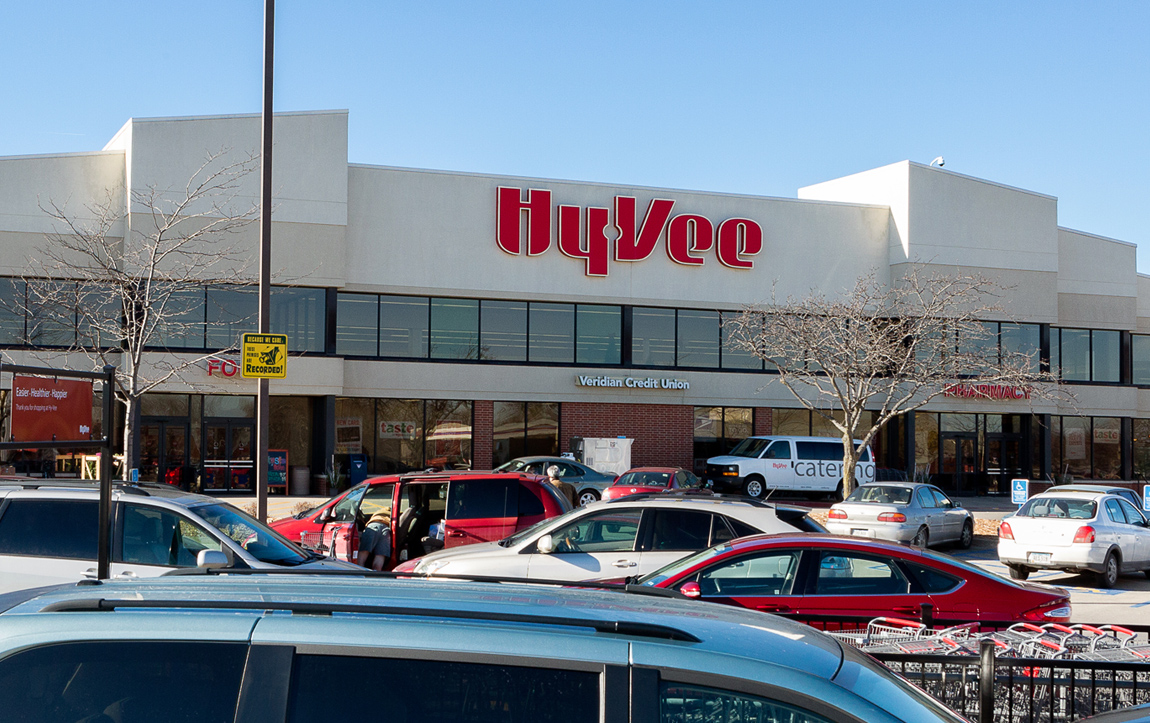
{"x": 278, "y": 505}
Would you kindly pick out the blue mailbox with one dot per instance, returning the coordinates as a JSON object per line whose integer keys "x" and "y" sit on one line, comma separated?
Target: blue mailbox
{"x": 357, "y": 469}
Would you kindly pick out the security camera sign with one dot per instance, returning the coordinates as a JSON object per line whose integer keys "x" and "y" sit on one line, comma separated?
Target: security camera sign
{"x": 264, "y": 356}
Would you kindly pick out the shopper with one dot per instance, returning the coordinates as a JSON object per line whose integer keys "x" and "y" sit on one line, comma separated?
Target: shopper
{"x": 564, "y": 488}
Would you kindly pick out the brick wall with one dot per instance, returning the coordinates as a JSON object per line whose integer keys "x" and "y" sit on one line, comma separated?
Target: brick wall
{"x": 663, "y": 433}
{"x": 762, "y": 421}
{"x": 482, "y": 436}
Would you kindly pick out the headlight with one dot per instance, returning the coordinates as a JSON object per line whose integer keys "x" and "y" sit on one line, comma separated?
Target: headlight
{"x": 432, "y": 566}
{"x": 731, "y": 471}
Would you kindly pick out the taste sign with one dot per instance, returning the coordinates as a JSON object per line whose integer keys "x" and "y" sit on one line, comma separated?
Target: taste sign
{"x": 583, "y": 233}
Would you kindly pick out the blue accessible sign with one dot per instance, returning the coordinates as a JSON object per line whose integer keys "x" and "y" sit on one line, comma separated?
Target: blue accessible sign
{"x": 1019, "y": 491}
{"x": 1146, "y": 497}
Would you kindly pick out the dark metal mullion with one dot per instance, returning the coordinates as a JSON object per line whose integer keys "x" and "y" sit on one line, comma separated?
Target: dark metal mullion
{"x": 527, "y": 336}
{"x": 378, "y": 322}
{"x": 478, "y": 329}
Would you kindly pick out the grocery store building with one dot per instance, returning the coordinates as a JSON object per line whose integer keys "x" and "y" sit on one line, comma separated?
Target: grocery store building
{"x": 440, "y": 318}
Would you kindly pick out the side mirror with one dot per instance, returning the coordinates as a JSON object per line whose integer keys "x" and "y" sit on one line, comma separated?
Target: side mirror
{"x": 327, "y": 515}
{"x": 691, "y": 589}
{"x": 211, "y": 559}
{"x": 545, "y": 545}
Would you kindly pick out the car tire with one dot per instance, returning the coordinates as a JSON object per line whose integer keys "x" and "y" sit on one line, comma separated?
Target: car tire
{"x": 754, "y": 487}
{"x": 1146, "y": 573}
{"x": 586, "y": 497}
{"x": 837, "y": 495}
{"x": 966, "y": 539}
{"x": 921, "y": 538}
{"x": 1108, "y": 578}
{"x": 1017, "y": 572}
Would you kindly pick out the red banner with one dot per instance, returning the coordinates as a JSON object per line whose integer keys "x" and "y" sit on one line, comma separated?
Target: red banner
{"x": 45, "y": 409}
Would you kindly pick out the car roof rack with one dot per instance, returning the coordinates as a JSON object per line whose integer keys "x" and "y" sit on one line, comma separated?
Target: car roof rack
{"x": 689, "y": 496}
{"x": 133, "y": 488}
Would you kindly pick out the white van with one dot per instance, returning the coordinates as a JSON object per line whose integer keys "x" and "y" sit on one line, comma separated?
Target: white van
{"x": 808, "y": 464}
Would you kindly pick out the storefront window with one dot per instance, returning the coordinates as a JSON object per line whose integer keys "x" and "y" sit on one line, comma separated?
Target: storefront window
{"x": 524, "y": 429}
{"x": 733, "y": 357}
{"x": 399, "y": 436}
{"x": 925, "y": 443}
{"x": 164, "y": 405}
{"x": 698, "y": 338}
{"x": 653, "y": 336}
{"x": 737, "y": 425}
{"x": 11, "y": 311}
{"x": 403, "y": 330}
{"x": 542, "y": 428}
{"x": 354, "y": 422}
{"x": 599, "y": 330}
{"x": 552, "y": 335}
{"x": 357, "y": 324}
{"x": 1075, "y": 354}
{"x": 448, "y": 434}
{"x": 47, "y": 326}
{"x": 231, "y": 310}
{"x": 230, "y": 405}
{"x": 454, "y": 329}
{"x": 503, "y": 325}
{"x": 1140, "y": 348}
{"x": 1141, "y": 448}
{"x": 1107, "y": 448}
{"x": 794, "y": 422}
{"x": 718, "y": 430}
{"x": 290, "y": 428}
{"x": 300, "y": 313}
{"x": 183, "y": 325}
{"x": 1056, "y": 466}
{"x": 959, "y": 422}
{"x": 1021, "y": 339}
{"x": 1076, "y": 445}
{"x": 1105, "y": 356}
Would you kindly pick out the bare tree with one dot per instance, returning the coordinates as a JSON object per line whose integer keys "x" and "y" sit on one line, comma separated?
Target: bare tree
{"x": 881, "y": 350}
{"x": 128, "y": 276}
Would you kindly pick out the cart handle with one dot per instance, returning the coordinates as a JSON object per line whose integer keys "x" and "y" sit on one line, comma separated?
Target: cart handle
{"x": 1060, "y": 627}
{"x": 1029, "y": 626}
{"x": 900, "y": 622}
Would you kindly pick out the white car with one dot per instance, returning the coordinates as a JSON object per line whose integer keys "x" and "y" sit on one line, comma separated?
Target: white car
{"x": 1076, "y": 532}
{"x": 48, "y": 534}
{"x": 908, "y": 512}
{"x": 618, "y": 538}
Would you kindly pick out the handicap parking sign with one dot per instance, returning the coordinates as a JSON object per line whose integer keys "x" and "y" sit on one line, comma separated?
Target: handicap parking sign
{"x": 1020, "y": 491}
{"x": 1146, "y": 497}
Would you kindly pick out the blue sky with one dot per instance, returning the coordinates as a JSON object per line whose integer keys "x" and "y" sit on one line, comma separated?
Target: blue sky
{"x": 741, "y": 97}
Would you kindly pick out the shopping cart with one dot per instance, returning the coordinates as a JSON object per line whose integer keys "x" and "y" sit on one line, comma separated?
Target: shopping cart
{"x": 882, "y": 631}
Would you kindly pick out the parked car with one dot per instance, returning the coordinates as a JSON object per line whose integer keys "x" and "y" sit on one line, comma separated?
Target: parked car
{"x": 1077, "y": 532}
{"x": 1135, "y": 714}
{"x": 808, "y": 576}
{"x": 1124, "y": 492}
{"x": 258, "y": 650}
{"x": 909, "y": 512}
{"x": 632, "y": 536}
{"x": 471, "y": 506}
{"x": 653, "y": 479}
{"x": 589, "y": 484}
{"x": 48, "y": 534}
{"x": 805, "y": 464}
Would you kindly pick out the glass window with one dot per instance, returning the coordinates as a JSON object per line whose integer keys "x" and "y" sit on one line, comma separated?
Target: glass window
{"x": 463, "y": 692}
{"x": 925, "y": 498}
{"x": 503, "y": 325}
{"x": 780, "y": 449}
{"x": 123, "y": 681}
{"x": 1141, "y": 448}
{"x": 260, "y": 541}
{"x": 231, "y": 311}
{"x": 509, "y": 438}
{"x": 1140, "y": 348}
{"x": 229, "y": 405}
{"x": 542, "y": 428}
{"x": 152, "y": 536}
{"x": 377, "y": 498}
{"x": 926, "y": 442}
{"x": 733, "y": 357}
{"x": 842, "y": 572}
{"x": 184, "y": 315}
{"x": 653, "y": 336}
{"x": 11, "y": 311}
{"x": 301, "y": 314}
{"x": 529, "y": 504}
{"x": 1107, "y": 448}
{"x": 698, "y": 338}
{"x": 940, "y": 499}
{"x": 794, "y": 422}
{"x": 448, "y": 434}
{"x": 357, "y": 324}
{"x": 1019, "y": 340}
{"x": 482, "y": 499}
{"x": 100, "y": 311}
{"x": 399, "y": 436}
{"x": 552, "y": 336}
{"x": 1105, "y": 354}
{"x": 680, "y": 530}
{"x": 680, "y": 703}
{"x": 403, "y": 330}
{"x": 290, "y": 427}
{"x": 49, "y": 528}
{"x": 50, "y": 319}
{"x": 1133, "y": 515}
{"x": 737, "y": 425}
{"x": 606, "y": 531}
{"x": 164, "y": 405}
{"x": 768, "y": 573}
{"x": 599, "y": 331}
{"x": 931, "y": 580}
{"x": 708, "y": 436}
{"x": 1076, "y": 445}
{"x": 1075, "y": 355}
{"x": 454, "y": 329}
{"x": 1114, "y": 512}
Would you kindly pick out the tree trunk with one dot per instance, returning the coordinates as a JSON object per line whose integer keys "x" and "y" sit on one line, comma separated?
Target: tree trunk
{"x": 850, "y": 461}
{"x": 131, "y": 436}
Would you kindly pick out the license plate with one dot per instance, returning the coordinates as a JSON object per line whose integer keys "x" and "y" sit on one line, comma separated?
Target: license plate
{"x": 1039, "y": 558}
{"x": 860, "y": 531}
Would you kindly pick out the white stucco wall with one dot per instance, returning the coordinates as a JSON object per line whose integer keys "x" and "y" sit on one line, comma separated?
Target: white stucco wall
{"x": 1097, "y": 281}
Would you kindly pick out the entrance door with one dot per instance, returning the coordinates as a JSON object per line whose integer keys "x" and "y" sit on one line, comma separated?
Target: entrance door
{"x": 960, "y": 462}
{"x": 164, "y": 451}
{"x": 228, "y": 454}
{"x": 1003, "y": 461}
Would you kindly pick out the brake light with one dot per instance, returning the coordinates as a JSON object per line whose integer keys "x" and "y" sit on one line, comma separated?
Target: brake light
{"x": 1054, "y": 612}
{"x": 1084, "y": 534}
{"x": 1005, "y": 532}
{"x": 892, "y": 517}
{"x": 837, "y": 514}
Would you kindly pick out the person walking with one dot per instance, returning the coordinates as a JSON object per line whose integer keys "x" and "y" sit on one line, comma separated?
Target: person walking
{"x": 564, "y": 488}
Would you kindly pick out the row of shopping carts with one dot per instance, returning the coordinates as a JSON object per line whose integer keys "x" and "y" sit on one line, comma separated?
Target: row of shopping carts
{"x": 1053, "y": 641}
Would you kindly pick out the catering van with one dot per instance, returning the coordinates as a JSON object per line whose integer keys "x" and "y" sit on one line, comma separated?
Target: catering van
{"x": 804, "y": 464}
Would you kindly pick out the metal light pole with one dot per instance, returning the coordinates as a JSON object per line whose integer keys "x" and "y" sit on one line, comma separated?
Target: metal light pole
{"x": 262, "y": 401}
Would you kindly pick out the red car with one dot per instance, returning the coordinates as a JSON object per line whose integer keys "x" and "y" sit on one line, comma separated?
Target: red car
{"x": 651, "y": 479}
{"x": 470, "y": 506}
{"x": 815, "y": 576}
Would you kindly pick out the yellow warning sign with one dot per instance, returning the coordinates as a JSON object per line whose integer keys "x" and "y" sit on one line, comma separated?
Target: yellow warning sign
{"x": 264, "y": 356}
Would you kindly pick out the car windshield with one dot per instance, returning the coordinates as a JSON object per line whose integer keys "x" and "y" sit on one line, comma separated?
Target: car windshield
{"x": 880, "y": 495}
{"x": 1059, "y": 507}
{"x": 750, "y": 447}
{"x": 514, "y": 465}
{"x": 260, "y": 541}
{"x": 528, "y": 532}
{"x": 644, "y": 479}
{"x": 666, "y": 572}
{"x": 969, "y": 569}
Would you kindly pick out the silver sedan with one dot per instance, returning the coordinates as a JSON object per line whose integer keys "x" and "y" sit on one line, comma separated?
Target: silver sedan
{"x": 909, "y": 512}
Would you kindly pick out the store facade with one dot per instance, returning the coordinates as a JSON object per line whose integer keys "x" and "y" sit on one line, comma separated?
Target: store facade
{"x": 452, "y": 319}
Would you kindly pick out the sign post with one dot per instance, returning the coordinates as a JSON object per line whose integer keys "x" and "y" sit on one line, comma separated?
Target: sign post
{"x": 1019, "y": 491}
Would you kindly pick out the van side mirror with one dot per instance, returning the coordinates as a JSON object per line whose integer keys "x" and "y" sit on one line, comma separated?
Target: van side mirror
{"x": 545, "y": 545}
{"x": 211, "y": 559}
{"x": 327, "y": 515}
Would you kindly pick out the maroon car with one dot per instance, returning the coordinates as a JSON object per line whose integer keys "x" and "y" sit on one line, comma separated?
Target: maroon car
{"x": 820, "y": 577}
{"x": 642, "y": 480}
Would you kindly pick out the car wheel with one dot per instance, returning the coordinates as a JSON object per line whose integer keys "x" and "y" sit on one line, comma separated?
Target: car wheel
{"x": 586, "y": 497}
{"x": 921, "y": 538}
{"x": 753, "y": 487}
{"x": 1018, "y": 573}
{"x": 1108, "y": 578}
{"x": 967, "y": 538}
{"x": 837, "y": 496}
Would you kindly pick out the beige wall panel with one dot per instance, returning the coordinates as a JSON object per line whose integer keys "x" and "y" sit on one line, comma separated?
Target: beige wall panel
{"x": 1090, "y": 264}
{"x": 72, "y": 181}
{"x": 1142, "y": 284}
{"x": 1097, "y": 312}
{"x": 887, "y": 186}
{"x": 1028, "y": 295}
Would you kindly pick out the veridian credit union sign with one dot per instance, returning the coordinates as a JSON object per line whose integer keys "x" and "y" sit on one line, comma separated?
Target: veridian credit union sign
{"x": 583, "y": 232}
{"x": 584, "y": 380}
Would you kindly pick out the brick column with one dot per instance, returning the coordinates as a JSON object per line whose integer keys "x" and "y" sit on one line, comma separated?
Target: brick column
{"x": 763, "y": 422}
{"x": 483, "y": 434}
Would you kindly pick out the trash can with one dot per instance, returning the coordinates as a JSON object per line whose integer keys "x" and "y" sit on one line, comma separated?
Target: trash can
{"x": 357, "y": 469}
{"x": 300, "y": 482}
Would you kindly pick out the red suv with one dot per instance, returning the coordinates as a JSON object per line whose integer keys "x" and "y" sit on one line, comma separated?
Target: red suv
{"x": 470, "y": 506}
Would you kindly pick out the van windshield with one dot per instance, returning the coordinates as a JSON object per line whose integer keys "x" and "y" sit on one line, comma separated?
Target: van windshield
{"x": 750, "y": 447}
